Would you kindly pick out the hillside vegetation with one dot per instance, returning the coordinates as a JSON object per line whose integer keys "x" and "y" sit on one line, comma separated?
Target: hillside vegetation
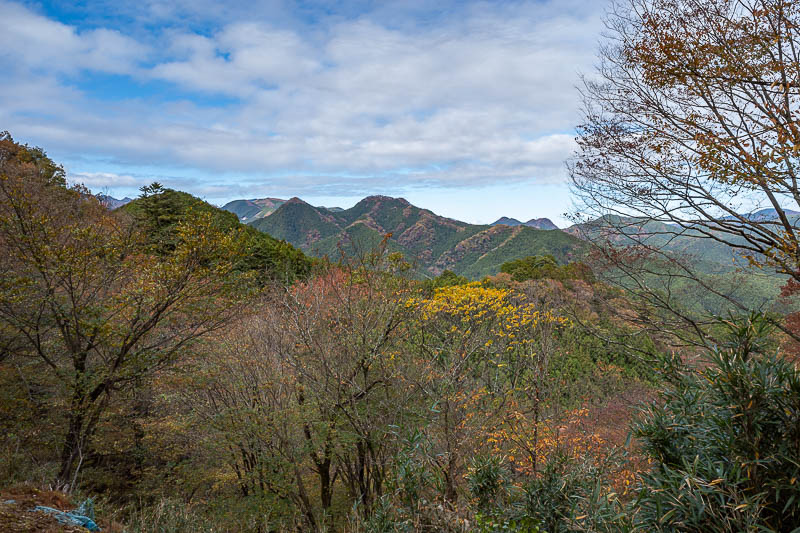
{"x": 435, "y": 243}
{"x": 160, "y": 211}
{"x": 684, "y": 263}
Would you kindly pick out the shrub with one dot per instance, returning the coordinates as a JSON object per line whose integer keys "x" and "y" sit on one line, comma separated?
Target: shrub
{"x": 725, "y": 441}
{"x": 546, "y": 267}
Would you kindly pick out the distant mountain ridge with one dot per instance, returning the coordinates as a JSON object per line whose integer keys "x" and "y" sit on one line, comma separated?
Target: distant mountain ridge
{"x": 718, "y": 264}
{"x": 767, "y": 214}
{"x": 112, "y": 203}
{"x": 436, "y": 243}
{"x": 538, "y": 223}
{"x": 688, "y": 242}
{"x": 251, "y": 210}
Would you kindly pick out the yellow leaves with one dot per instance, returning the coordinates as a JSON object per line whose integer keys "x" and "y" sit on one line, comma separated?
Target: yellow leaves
{"x": 464, "y": 300}
{"x": 473, "y": 304}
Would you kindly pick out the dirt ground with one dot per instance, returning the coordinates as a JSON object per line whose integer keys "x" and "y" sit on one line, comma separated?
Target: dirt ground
{"x": 19, "y": 516}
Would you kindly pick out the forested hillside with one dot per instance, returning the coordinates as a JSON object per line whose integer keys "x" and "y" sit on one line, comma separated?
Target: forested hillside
{"x": 435, "y": 243}
{"x": 168, "y": 350}
{"x": 160, "y": 212}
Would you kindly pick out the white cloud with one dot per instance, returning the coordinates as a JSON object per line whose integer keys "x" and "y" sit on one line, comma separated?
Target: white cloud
{"x": 483, "y": 96}
{"x": 36, "y": 42}
{"x": 100, "y": 180}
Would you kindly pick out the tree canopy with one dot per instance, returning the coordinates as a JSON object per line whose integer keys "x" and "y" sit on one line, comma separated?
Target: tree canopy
{"x": 690, "y": 128}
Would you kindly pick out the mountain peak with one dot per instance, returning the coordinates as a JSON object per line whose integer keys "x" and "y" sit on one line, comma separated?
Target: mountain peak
{"x": 506, "y": 221}
{"x": 254, "y": 208}
{"x": 296, "y": 200}
{"x": 376, "y": 198}
{"x": 538, "y": 223}
{"x": 541, "y": 223}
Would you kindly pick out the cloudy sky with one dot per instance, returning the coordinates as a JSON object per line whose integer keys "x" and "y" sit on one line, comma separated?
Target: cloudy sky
{"x": 465, "y": 108}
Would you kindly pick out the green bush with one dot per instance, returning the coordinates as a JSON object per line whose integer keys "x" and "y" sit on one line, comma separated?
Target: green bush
{"x": 571, "y": 495}
{"x": 497, "y": 506}
{"x": 546, "y": 267}
{"x": 725, "y": 441}
{"x": 448, "y": 278}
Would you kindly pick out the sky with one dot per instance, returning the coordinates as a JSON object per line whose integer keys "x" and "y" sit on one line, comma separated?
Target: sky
{"x": 465, "y": 108}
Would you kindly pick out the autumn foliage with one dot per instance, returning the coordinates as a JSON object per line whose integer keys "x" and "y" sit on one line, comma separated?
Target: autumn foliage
{"x": 196, "y": 375}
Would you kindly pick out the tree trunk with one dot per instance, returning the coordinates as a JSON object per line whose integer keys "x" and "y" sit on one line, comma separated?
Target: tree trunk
{"x": 450, "y": 471}
{"x": 84, "y": 415}
{"x": 308, "y": 510}
{"x": 450, "y": 494}
{"x": 325, "y": 488}
{"x": 363, "y": 480}
{"x": 71, "y": 449}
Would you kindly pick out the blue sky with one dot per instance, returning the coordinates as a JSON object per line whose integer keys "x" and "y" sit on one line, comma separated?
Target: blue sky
{"x": 465, "y": 108}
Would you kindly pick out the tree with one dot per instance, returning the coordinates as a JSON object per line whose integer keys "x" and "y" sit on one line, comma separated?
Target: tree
{"x": 159, "y": 213}
{"x": 304, "y": 395}
{"x": 244, "y": 399}
{"x": 545, "y": 267}
{"x": 482, "y": 364}
{"x": 81, "y": 295}
{"x": 691, "y": 127}
{"x": 345, "y": 329}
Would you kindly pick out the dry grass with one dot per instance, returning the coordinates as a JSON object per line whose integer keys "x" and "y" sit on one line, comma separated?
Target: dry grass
{"x": 19, "y": 517}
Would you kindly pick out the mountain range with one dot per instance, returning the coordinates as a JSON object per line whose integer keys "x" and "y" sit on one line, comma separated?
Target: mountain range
{"x": 434, "y": 242}
{"x": 538, "y": 223}
{"x": 712, "y": 254}
{"x": 438, "y": 243}
{"x": 768, "y": 214}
